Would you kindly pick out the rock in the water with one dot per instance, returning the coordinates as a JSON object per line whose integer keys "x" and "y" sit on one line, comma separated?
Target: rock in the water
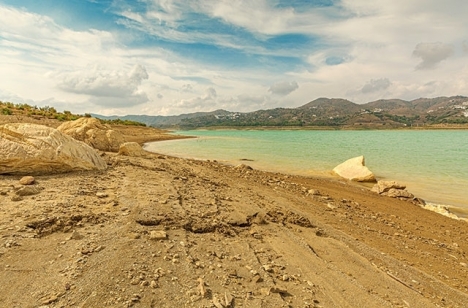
{"x": 131, "y": 149}
{"x": 94, "y": 133}
{"x": 384, "y": 186}
{"x": 354, "y": 169}
{"x": 395, "y": 190}
{"x": 32, "y": 149}
{"x": 27, "y": 180}
{"x": 398, "y": 193}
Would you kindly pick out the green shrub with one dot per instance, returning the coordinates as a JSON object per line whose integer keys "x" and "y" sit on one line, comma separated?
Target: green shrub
{"x": 7, "y": 111}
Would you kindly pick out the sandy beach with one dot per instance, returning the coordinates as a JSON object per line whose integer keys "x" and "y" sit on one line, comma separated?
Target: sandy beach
{"x": 160, "y": 231}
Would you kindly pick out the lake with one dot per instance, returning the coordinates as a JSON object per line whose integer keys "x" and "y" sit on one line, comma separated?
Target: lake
{"x": 432, "y": 163}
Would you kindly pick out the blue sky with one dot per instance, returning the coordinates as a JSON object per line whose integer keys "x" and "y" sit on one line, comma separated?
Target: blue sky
{"x": 165, "y": 57}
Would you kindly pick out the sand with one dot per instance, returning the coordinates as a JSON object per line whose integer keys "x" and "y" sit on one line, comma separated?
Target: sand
{"x": 160, "y": 231}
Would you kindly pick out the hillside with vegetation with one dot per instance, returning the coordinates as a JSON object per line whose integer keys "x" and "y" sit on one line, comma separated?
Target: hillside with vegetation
{"x": 340, "y": 113}
{"x": 11, "y": 112}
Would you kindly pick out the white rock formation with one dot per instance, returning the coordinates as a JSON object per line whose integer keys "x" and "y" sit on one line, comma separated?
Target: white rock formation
{"x": 93, "y": 132}
{"x": 354, "y": 169}
{"x": 32, "y": 148}
{"x": 385, "y": 186}
{"x": 131, "y": 149}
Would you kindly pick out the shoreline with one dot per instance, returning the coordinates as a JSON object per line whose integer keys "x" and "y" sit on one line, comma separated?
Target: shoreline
{"x": 449, "y": 210}
{"x": 350, "y": 127}
{"x": 173, "y": 232}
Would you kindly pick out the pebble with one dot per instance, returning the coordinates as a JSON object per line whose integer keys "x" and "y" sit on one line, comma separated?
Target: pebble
{"x": 158, "y": 235}
{"x": 101, "y": 195}
{"x": 16, "y": 198}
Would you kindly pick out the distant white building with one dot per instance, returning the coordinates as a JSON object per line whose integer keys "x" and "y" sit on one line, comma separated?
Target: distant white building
{"x": 465, "y": 113}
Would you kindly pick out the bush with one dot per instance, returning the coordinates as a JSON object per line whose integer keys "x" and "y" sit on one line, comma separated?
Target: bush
{"x": 7, "y": 111}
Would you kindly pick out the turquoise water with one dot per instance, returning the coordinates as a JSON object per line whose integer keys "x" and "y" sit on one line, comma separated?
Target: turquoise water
{"x": 433, "y": 164}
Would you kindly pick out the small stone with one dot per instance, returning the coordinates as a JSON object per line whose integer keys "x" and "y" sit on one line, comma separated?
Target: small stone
{"x": 16, "y": 198}
{"x": 228, "y": 298}
{"x": 278, "y": 290}
{"x": 75, "y": 236}
{"x": 134, "y": 235}
{"x": 27, "y": 180}
{"x": 267, "y": 268}
{"x": 233, "y": 273}
{"x": 50, "y": 300}
{"x": 102, "y": 195}
{"x": 158, "y": 235}
{"x": 257, "y": 279}
{"x": 217, "y": 303}
{"x": 153, "y": 284}
{"x": 313, "y": 192}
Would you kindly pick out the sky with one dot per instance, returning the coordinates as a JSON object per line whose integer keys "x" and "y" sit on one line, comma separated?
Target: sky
{"x": 168, "y": 57}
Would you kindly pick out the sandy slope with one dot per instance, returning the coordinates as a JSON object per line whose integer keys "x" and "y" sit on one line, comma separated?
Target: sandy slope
{"x": 235, "y": 235}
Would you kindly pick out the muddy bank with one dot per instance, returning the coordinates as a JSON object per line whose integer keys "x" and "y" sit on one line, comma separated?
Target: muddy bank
{"x": 158, "y": 231}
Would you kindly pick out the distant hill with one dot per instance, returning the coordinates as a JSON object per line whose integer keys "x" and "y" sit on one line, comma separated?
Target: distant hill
{"x": 325, "y": 112}
{"x": 163, "y": 121}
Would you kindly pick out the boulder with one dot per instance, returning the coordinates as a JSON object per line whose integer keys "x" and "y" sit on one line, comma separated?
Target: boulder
{"x": 131, "y": 149}
{"x": 398, "y": 193}
{"x": 33, "y": 149}
{"x": 384, "y": 186}
{"x": 27, "y": 180}
{"x": 354, "y": 169}
{"x": 395, "y": 190}
{"x": 93, "y": 132}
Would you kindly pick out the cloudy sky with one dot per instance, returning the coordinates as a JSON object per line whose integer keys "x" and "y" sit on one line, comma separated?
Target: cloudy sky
{"x": 166, "y": 57}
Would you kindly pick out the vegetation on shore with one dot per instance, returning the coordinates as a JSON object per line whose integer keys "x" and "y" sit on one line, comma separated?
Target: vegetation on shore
{"x": 46, "y": 112}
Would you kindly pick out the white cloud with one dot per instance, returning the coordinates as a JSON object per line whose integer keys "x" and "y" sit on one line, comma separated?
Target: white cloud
{"x": 107, "y": 87}
{"x": 199, "y": 102}
{"x": 376, "y": 85}
{"x": 432, "y": 54}
{"x": 46, "y": 62}
{"x": 283, "y": 88}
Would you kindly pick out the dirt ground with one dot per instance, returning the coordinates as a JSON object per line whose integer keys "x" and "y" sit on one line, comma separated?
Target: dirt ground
{"x": 159, "y": 231}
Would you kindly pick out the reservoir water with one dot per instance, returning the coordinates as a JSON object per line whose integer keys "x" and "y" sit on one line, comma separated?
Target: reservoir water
{"x": 432, "y": 163}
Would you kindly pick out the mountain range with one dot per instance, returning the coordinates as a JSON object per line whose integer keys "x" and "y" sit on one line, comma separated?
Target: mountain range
{"x": 325, "y": 112}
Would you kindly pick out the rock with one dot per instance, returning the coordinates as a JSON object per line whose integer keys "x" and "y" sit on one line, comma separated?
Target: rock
{"x": 102, "y": 195}
{"x": 243, "y": 167}
{"x": 75, "y": 236}
{"x": 228, "y": 298}
{"x": 28, "y": 190}
{"x": 16, "y": 198}
{"x": 201, "y": 287}
{"x": 398, "y": 193}
{"x": 94, "y": 133}
{"x": 32, "y": 148}
{"x": 354, "y": 169}
{"x": 131, "y": 149}
{"x": 27, "y": 180}
{"x": 158, "y": 235}
{"x": 384, "y": 186}
{"x": 313, "y": 192}
{"x": 216, "y": 302}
